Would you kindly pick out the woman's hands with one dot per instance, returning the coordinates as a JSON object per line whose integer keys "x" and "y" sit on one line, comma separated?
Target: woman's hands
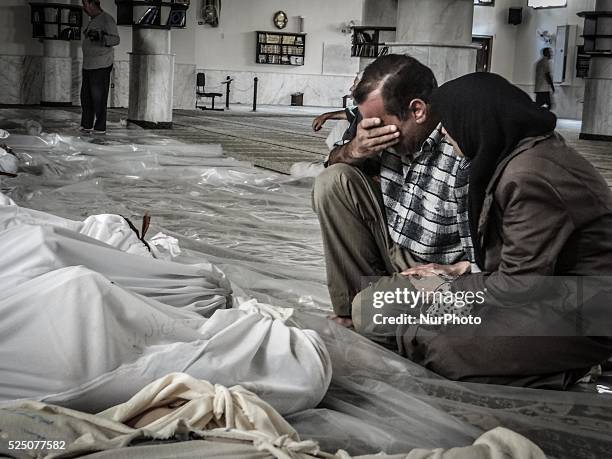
{"x": 434, "y": 269}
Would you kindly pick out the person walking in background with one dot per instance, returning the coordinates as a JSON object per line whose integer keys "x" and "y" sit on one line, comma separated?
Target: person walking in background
{"x": 543, "y": 80}
{"x": 99, "y": 37}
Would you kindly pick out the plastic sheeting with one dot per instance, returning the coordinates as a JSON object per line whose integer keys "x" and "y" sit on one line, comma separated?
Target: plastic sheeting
{"x": 236, "y": 215}
{"x": 258, "y": 227}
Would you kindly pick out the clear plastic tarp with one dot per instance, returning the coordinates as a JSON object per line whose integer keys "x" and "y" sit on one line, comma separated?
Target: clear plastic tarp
{"x": 258, "y": 228}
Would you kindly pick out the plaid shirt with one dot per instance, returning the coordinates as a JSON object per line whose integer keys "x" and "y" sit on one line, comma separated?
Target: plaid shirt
{"x": 425, "y": 200}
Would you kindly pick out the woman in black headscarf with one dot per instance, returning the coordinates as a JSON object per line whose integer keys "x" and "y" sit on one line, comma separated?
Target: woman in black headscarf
{"x": 536, "y": 208}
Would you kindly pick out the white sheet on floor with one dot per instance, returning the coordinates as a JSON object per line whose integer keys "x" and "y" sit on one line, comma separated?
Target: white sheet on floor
{"x": 70, "y": 336}
{"x": 111, "y": 229}
{"x": 35, "y": 243}
{"x": 179, "y": 398}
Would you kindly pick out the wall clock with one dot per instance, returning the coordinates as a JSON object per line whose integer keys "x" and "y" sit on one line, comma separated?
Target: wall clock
{"x": 280, "y": 19}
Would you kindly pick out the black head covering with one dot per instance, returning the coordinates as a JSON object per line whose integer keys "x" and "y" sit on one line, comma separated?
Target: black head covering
{"x": 487, "y": 116}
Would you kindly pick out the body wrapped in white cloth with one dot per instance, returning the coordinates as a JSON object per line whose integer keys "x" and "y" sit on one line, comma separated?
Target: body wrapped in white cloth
{"x": 86, "y": 325}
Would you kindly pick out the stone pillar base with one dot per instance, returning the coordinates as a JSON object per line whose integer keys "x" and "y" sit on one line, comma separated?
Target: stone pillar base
{"x": 597, "y": 111}
{"x": 151, "y": 79}
{"x": 57, "y": 73}
{"x": 151, "y": 124}
{"x": 605, "y": 138}
{"x": 45, "y": 103}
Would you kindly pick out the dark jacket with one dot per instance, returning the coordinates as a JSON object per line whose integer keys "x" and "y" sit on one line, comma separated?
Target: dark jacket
{"x": 547, "y": 211}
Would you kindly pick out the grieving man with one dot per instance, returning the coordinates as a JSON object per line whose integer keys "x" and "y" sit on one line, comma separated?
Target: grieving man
{"x": 417, "y": 214}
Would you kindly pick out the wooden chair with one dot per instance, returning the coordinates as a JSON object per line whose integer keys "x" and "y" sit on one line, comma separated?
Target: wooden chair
{"x": 201, "y": 92}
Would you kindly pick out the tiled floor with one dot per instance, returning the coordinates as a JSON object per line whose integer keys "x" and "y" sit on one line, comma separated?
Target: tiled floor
{"x": 274, "y": 137}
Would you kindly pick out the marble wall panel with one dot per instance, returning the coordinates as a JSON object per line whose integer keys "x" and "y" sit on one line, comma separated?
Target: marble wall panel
{"x": 276, "y": 88}
{"x": 75, "y": 83}
{"x": 57, "y": 79}
{"x": 184, "y": 85}
{"x": 337, "y": 60}
{"x": 364, "y": 62}
{"x": 21, "y": 79}
{"x": 597, "y": 115}
{"x": 447, "y": 22}
{"x": 120, "y": 85}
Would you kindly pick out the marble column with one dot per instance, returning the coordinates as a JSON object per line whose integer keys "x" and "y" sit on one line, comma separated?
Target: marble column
{"x": 151, "y": 78}
{"x": 57, "y": 73}
{"x": 597, "y": 109}
{"x": 379, "y": 13}
{"x": 439, "y": 34}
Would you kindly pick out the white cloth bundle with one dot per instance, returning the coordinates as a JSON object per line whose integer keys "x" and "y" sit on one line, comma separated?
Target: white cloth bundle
{"x": 86, "y": 324}
{"x": 72, "y": 337}
{"x": 40, "y": 242}
{"x": 179, "y": 406}
{"x": 178, "y": 397}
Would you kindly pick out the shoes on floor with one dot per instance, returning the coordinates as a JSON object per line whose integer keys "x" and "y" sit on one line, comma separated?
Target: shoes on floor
{"x": 83, "y": 129}
{"x": 99, "y": 132}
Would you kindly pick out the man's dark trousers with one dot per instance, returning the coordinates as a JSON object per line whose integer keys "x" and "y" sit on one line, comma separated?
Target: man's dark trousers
{"x": 94, "y": 96}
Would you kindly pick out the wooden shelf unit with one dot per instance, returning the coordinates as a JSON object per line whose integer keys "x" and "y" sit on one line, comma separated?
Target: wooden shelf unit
{"x": 56, "y": 21}
{"x": 280, "y": 48}
{"x": 591, "y": 35}
{"x": 366, "y": 41}
{"x": 152, "y": 14}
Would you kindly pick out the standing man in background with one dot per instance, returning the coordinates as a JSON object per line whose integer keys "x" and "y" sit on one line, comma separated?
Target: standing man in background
{"x": 543, "y": 80}
{"x": 99, "y": 37}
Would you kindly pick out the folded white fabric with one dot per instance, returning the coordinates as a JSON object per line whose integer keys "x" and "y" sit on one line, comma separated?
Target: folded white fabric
{"x": 116, "y": 231}
{"x": 111, "y": 229}
{"x": 178, "y": 406}
{"x": 164, "y": 247}
{"x": 178, "y": 397}
{"x": 174, "y": 406}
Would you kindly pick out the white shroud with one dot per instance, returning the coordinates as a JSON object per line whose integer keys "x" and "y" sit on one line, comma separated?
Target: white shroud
{"x": 83, "y": 325}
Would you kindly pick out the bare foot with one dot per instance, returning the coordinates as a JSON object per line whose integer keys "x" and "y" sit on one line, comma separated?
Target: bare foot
{"x": 342, "y": 320}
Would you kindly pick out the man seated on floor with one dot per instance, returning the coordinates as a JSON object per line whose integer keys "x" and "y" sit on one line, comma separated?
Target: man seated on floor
{"x": 417, "y": 214}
